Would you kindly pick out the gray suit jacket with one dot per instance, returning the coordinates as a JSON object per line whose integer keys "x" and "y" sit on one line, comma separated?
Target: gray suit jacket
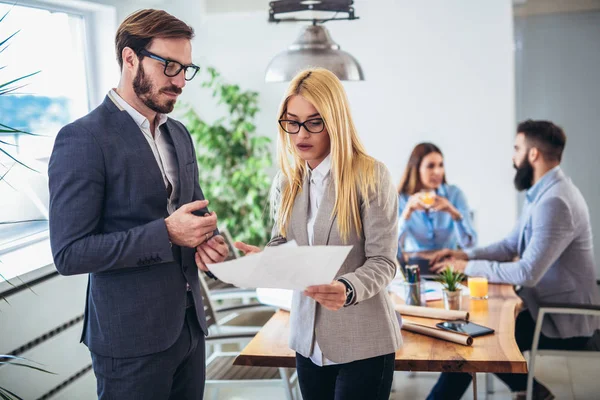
{"x": 108, "y": 203}
{"x": 369, "y": 327}
{"x": 554, "y": 241}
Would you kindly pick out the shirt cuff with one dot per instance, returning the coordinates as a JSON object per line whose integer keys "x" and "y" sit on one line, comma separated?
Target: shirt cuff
{"x": 470, "y": 253}
{"x": 477, "y": 268}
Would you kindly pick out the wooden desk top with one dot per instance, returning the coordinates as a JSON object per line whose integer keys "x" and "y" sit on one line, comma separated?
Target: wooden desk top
{"x": 491, "y": 353}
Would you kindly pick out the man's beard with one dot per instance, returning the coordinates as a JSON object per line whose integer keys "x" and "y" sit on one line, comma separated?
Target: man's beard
{"x": 524, "y": 175}
{"x": 144, "y": 90}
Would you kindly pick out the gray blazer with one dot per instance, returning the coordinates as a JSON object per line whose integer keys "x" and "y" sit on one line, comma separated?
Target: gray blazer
{"x": 108, "y": 205}
{"x": 554, "y": 241}
{"x": 369, "y": 327}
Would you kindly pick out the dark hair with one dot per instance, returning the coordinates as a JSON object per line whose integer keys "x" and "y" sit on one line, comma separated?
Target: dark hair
{"x": 139, "y": 28}
{"x": 411, "y": 179}
{"x": 547, "y": 137}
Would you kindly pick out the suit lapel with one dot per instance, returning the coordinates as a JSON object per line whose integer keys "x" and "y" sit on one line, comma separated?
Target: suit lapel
{"x": 300, "y": 215}
{"x": 126, "y": 127}
{"x": 527, "y": 212}
{"x": 324, "y": 219}
{"x": 180, "y": 149}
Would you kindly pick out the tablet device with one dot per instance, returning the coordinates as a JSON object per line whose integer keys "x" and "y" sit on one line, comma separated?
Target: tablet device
{"x": 465, "y": 328}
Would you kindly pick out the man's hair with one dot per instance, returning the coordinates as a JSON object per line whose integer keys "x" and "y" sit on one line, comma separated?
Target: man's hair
{"x": 547, "y": 137}
{"x": 139, "y": 28}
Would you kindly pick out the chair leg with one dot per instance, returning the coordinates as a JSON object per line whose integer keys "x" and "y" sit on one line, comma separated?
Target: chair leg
{"x": 531, "y": 374}
{"x": 533, "y": 353}
{"x": 474, "y": 375}
{"x": 285, "y": 377}
{"x": 489, "y": 384}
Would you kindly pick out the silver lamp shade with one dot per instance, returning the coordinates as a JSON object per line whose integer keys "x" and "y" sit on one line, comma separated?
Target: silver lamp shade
{"x": 313, "y": 48}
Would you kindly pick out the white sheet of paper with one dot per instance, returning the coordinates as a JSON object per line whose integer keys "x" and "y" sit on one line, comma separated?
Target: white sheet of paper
{"x": 284, "y": 267}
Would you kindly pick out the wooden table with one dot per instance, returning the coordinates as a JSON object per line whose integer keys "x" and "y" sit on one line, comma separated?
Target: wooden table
{"x": 491, "y": 353}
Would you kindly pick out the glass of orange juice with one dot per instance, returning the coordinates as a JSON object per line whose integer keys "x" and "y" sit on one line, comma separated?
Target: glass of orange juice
{"x": 427, "y": 198}
{"x": 478, "y": 287}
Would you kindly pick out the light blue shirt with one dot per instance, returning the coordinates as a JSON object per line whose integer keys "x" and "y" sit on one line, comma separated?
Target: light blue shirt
{"x": 430, "y": 230}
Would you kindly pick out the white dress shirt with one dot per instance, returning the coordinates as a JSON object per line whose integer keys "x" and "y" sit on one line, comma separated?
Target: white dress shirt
{"x": 161, "y": 146}
{"x": 318, "y": 181}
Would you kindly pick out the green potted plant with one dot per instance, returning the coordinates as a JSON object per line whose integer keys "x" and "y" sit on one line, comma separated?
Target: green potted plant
{"x": 234, "y": 161}
{"x": 451, "y": 293}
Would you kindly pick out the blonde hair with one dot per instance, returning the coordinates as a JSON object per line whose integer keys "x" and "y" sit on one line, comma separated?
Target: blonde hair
{"x": 352, "y": 169}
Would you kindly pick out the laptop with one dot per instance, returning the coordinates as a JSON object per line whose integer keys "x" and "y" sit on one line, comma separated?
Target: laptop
{"x": 423, "y": 264}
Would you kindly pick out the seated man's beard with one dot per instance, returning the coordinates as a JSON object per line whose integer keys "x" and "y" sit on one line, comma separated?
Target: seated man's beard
{"x": 524, "y": 175}
{"x": 143, "y": 88}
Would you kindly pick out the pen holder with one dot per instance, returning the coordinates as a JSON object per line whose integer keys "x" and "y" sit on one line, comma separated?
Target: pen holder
{"x": 414, "y": 293}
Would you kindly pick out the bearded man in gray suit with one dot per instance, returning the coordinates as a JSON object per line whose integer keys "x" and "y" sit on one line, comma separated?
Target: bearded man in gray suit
{"x": 553, "y": 244}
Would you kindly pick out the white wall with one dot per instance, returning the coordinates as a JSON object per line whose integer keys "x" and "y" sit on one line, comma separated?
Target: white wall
{"x": 435, "y": 71}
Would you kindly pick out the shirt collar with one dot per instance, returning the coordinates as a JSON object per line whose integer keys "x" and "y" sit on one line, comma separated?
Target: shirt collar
{"x": 139, "y": 119}
{"x": 322, "y": 171}
{"x": 549, "y": 177}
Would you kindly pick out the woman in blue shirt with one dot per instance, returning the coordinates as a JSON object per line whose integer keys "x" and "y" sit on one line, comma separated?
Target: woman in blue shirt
{"x": 444, "y": 221}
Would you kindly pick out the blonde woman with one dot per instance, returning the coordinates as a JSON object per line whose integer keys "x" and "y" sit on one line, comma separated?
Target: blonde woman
{"x": 330, "y": 192}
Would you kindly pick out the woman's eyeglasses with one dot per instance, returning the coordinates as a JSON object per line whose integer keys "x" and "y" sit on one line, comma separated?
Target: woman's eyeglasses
{"x": 315, "y": 125}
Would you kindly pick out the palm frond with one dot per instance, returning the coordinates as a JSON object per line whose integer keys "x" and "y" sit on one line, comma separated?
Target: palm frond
{"x": 17, "y": 161}
{"x": 7, "y": 394}
{"x": 10, "y": 37}
{"x": 15, "y": 130}
{"x": 27, "y": 366}
{"x": 2, "y": 85}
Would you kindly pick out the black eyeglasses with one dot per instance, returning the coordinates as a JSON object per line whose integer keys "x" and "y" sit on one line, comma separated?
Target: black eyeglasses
{"x": 315, "y": 125}
{"x": 172, "y": 67}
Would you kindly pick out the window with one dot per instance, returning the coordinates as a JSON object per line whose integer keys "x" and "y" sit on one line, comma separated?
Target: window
{"x": 55, "y": 42}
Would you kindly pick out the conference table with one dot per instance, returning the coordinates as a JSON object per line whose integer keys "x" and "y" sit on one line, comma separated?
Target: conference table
{"x": 491, "y": 353}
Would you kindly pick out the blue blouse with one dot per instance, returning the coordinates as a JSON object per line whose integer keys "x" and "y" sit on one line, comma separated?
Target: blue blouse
{"x": 431, "y": 230}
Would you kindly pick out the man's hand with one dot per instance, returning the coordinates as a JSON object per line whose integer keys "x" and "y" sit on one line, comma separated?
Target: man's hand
{"x": 189, "y": 230}
{"x": 454, "y": 263}
{"x": 332, "y": 297}
{"x": 211, "y": 252}
{"x": 445, "y": 254}
{"x": 247, "y": 249}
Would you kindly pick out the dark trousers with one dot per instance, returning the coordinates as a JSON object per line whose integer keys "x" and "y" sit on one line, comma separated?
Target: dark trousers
{"x": 363, "y": 379}
{"x": 452, "y": 386}
{"x": 177, "y": 373}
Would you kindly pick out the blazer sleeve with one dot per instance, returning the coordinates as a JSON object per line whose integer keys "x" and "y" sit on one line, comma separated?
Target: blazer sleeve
{"x": 77, "y": 183}
{"x": 552, "y": 230}
{"x": 380, "y": 228}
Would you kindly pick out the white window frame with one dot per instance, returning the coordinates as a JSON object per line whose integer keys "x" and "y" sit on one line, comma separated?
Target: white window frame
{"x": 28, "y": 254}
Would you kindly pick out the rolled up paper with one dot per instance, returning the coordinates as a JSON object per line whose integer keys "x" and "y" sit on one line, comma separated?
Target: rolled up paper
{"x": 430, "y": 312}
{"x": 465, "y": 340}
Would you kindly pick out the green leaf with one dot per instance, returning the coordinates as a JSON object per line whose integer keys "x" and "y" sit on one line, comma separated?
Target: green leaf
{"x": 10, "y": 37}
{"x": 27, "y": 366}
{"x": 18, "y": 79}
